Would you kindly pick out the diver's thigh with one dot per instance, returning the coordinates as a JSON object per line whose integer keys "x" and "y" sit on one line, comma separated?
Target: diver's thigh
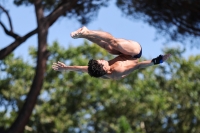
{"x": 128, "y": 47}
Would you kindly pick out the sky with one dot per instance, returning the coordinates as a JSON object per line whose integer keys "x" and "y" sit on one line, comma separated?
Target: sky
{"x": 109, "y": 19}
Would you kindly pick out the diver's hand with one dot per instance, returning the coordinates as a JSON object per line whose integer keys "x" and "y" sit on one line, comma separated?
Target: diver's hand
{"x": 59, "y": 66}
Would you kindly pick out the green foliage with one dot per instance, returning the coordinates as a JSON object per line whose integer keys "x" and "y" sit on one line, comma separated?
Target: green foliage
{"x": 162, "y": 98}
{"x": 177, "y": 19}
{"x": 82, "y": 10}
{"x": 124, "y": 125}
{"x": 15, "y": 81}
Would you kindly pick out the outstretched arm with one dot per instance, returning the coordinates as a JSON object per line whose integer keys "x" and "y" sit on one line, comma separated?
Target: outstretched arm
{"x": 158, "y": 60}
{"x": 62, "y": 67}
{"x": 144, "y": 64}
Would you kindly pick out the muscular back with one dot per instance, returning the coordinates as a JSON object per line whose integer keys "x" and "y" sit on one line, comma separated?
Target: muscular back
{"x": 121, "y": 66}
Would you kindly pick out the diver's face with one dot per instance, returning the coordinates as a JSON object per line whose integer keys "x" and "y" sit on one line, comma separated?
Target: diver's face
{"x": 105, "y": 64}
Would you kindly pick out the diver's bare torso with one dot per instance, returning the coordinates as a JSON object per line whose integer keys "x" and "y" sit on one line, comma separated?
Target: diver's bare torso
{"x": 120, "y": 66}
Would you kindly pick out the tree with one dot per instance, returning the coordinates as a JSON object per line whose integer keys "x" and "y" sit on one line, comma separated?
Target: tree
{"x": 179, "y": 20}
{"x": 84, "y": 11}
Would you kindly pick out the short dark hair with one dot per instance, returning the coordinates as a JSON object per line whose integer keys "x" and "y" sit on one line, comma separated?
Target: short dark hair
{"x": 95, "y": 69}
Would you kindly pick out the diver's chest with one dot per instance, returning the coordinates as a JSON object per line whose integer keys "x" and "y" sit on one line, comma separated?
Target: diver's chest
{"x": 121, "y": 66}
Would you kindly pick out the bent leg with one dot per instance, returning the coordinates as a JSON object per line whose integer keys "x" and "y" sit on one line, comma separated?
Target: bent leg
{"x": 100, "y": 35}
{"x": 126, "y": 47}
{"x": 103, "y": 45}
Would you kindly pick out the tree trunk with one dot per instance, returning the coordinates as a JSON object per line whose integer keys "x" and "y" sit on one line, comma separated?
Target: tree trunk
{"x": 24, "y": 114}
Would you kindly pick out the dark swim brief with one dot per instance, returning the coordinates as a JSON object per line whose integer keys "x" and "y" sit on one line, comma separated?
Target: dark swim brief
{"x": 138, "y": 55}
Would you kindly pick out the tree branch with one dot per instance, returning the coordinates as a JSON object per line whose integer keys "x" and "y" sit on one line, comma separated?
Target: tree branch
{"x": 9, "y": 19}
{"x": 7, "y": 50}
{"x": 9, "y": 33}
{"x": 51, "y": 18}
